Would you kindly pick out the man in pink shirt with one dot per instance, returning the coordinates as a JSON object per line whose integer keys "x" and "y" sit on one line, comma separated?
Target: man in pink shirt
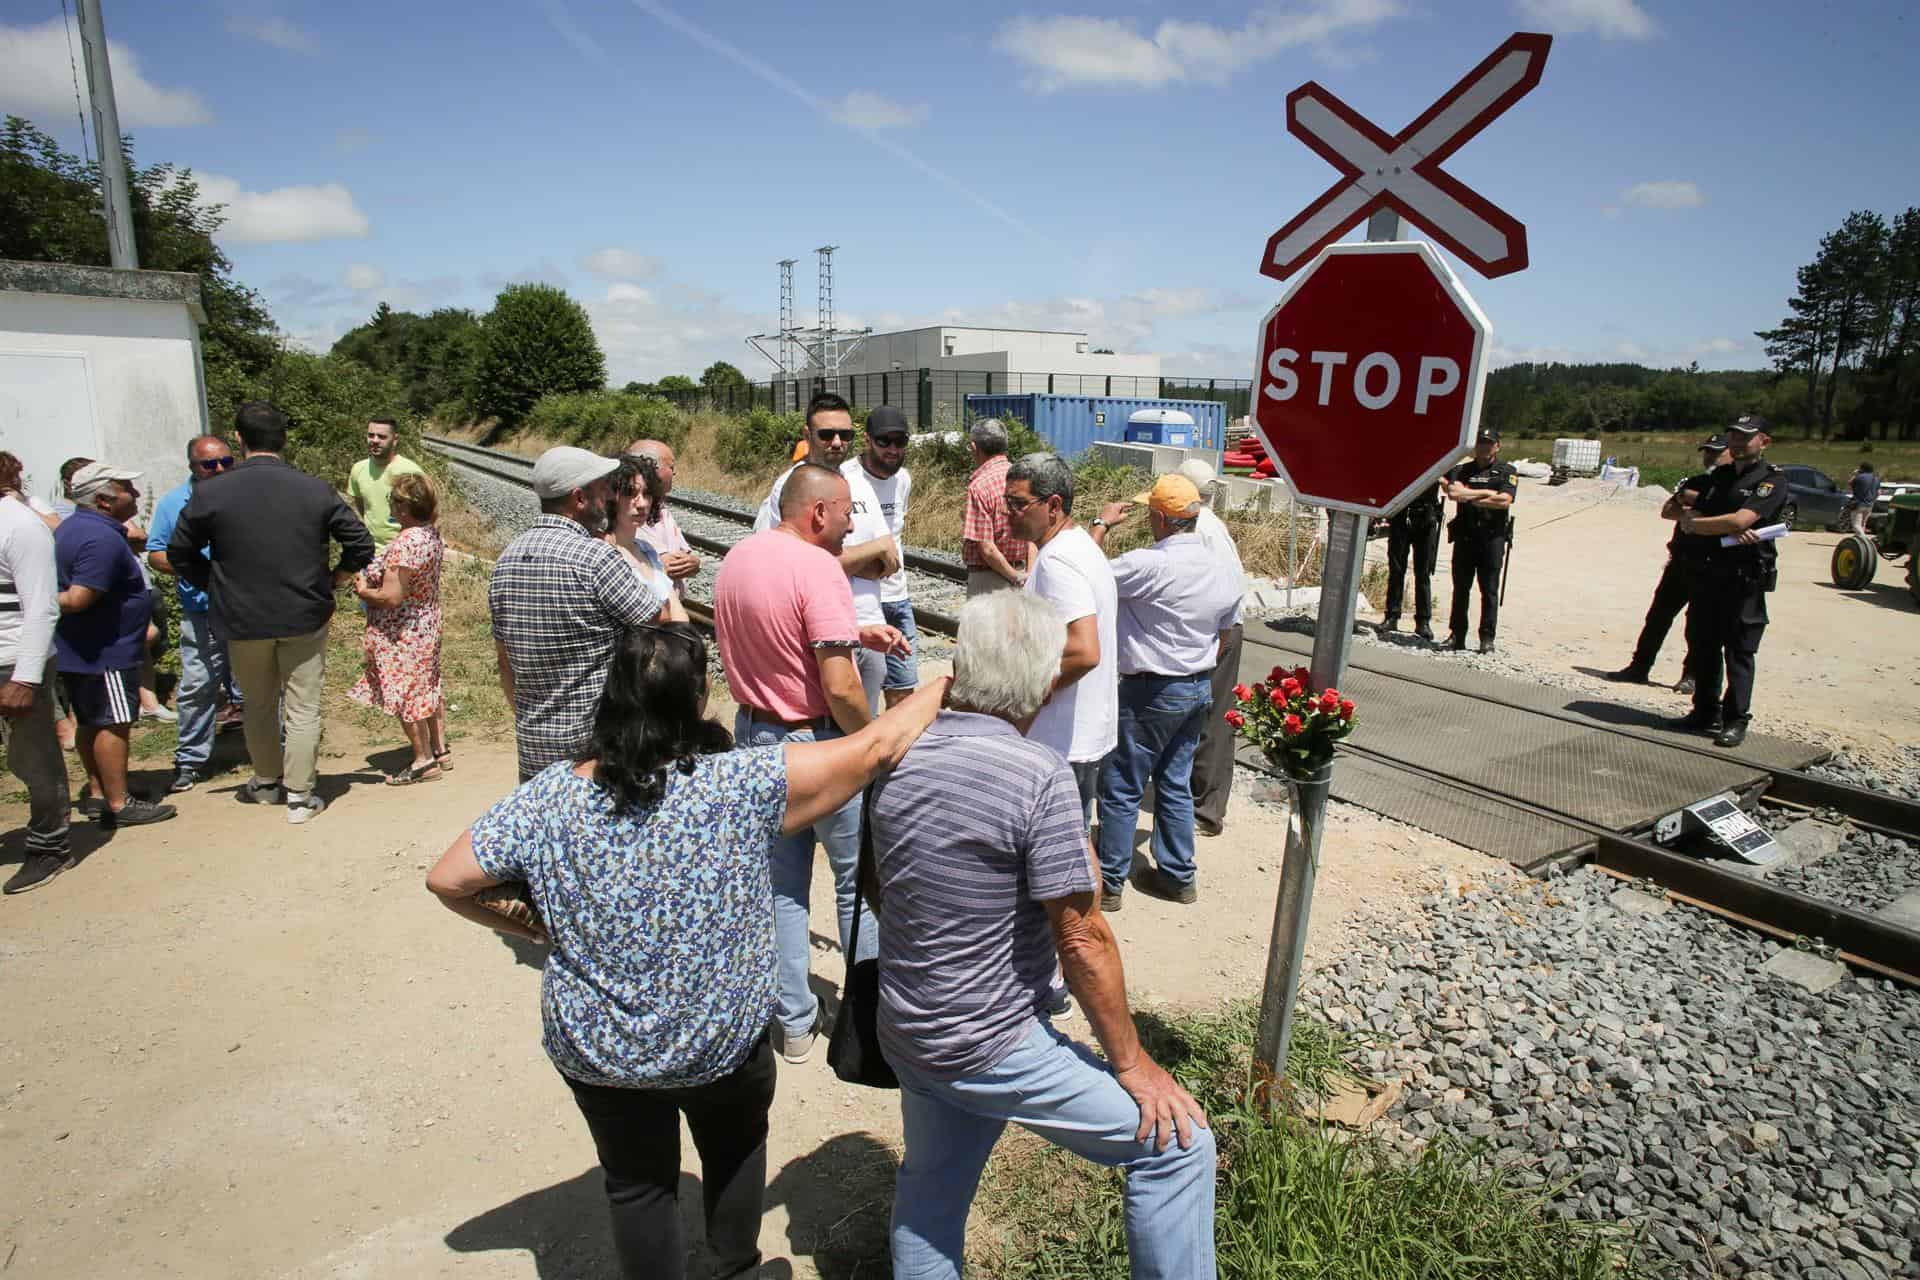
{"x": 784, "y": 614}
{"x": 677, "y": 555}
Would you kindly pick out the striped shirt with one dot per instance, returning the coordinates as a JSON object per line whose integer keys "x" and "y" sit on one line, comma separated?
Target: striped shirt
{"x": 29, "y": 593}
{"x": 561, "y": 600}
{"x": 972, "y": 832}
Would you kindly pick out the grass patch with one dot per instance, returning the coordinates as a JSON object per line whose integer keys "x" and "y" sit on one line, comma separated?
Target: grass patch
{"x": 1677, "y": 456}
{"x": 1295, "y": 1198}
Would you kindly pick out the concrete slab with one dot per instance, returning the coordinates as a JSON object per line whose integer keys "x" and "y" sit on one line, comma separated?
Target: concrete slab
{"x": 1635, "y": 903}
{"x": 1804, "y": 969}
{"x": 1903, "y": 911}
{"x": 1801, "y": 842}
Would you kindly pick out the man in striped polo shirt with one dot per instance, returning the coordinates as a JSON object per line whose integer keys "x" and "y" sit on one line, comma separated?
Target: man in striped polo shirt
{"x": 29, "y": 609}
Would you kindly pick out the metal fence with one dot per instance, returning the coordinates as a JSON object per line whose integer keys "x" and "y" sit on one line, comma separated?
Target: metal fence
{"x": 936, "y": 398}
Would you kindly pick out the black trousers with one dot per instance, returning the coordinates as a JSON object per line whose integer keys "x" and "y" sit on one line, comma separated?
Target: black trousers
{"x": 637, "y": 1133}
{"x": 1419, "y": 543}
{"x": 1213, "y": 759}
{"x": 1670, "y": 597}
{"x": 1725, "y": 620}
{"x": 1477, "y": 557}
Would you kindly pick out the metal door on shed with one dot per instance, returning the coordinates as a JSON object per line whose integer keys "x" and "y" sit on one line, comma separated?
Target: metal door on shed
{"x": 47, "y": 414}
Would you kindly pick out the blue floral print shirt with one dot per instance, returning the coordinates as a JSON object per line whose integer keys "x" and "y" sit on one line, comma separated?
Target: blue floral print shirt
{"x": 662, "y": 970}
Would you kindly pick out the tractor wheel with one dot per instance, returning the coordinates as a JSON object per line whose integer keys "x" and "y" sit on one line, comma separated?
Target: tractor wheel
{"x": 1854, "y": 561}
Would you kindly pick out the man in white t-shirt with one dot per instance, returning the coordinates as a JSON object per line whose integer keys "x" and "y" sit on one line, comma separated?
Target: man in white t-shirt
{"x": 29, "y": 612}
{"x": 1081, "y": 719}
{"x": 870, "y": 554}
{"x": 881, "y": 466}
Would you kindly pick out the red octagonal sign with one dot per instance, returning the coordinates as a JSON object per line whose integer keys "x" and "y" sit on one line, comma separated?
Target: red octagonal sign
{"x": 1370, "y": 376}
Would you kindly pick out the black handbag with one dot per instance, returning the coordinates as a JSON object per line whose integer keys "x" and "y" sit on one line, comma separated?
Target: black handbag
{"x": 853, "y": 1050}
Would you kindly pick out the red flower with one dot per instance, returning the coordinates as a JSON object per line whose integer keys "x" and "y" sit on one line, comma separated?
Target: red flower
{"x": 1278, "y": 698}
{"x": 1332, "y": 693}
{"x": 1293, "y": 726}
{"x": 1330, "y": 702}
{"x": 1259, "y": 692}
{"x": 1346, "y": 709}
{"x": 1276, "y": 675}
{"x": 1235, "y": 719}
{"x": 1290, "y": 687}
{"x": 1304, "y": 676}
{"x": 1241, "y": 692}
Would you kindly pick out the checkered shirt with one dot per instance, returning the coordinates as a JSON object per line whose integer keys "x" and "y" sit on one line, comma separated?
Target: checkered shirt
{"x": 561, "y": 600}
{"x": 986, "y": 516}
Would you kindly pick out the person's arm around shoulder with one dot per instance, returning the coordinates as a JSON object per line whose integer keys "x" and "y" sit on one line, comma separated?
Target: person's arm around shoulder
{"x": 823, "y": 776}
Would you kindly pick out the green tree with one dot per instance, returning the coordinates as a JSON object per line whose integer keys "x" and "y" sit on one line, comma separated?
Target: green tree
{"x": 534, "y": 342}
{"x": 1838, "y": 307}
{"x": 433, "y": 355}
{"x": 676, "y": 382}
{"x": 720, "y": 375}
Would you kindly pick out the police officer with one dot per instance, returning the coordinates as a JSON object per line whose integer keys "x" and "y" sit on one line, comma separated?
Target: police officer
{"x": 1413, "y": 532}
{"x": 1728, "y": 613}
{"x": 1685, "y": 553}
{"x": 1482, "y": 489}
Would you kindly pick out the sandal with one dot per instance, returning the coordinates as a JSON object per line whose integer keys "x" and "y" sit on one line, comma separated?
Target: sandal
{"x": 444, "y": 759}
{"x": 415, "y": 773}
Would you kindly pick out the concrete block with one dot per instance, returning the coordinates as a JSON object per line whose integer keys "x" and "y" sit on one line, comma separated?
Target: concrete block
{"x": 1807, "y": 840}
{"x": 1635, "y": 903}
{"x": 1274, "y": 596}
{"x": 1804, "y": 969}
{"x": 1903, "y": 911}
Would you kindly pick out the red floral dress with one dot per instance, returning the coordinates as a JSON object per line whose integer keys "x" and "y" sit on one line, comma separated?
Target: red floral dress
{"x": 402, "y": 676}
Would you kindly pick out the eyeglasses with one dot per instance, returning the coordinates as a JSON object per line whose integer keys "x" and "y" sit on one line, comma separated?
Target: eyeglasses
{"x": 1017, "y": 505}
{"x": 889, "y": 442}
{"x": 214, "y": 464}
{"x": 828, "y": 434}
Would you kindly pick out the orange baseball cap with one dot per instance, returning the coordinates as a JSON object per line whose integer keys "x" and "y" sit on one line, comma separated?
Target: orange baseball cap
{"x": 1173, "y": 496}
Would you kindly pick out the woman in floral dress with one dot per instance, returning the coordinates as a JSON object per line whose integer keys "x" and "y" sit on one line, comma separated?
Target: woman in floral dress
{"x": 402, "y": 591}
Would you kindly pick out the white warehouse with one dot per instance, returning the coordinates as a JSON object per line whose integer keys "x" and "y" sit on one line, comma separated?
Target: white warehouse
{"x": 961, "y": 348}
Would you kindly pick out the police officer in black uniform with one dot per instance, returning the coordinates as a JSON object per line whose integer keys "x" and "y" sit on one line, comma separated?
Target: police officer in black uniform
{"x": 1728, "y": 613}
{"x": 1685, "y": 553}
{"x": 1413, "y": 532}
{"x": 1482, "y": 489}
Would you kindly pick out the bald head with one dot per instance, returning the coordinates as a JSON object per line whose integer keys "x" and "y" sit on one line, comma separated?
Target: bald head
{"x": 662, "y": 454}
{"x": 816, "y": 504}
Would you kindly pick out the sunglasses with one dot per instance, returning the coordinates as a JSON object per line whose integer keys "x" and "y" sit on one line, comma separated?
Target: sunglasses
{"x": 890, "y": 442}
{"x": 834, "y": 433}
{"x": 214, "y": 464}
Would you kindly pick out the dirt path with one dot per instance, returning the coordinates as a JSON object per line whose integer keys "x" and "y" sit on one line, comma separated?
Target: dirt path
{"x": 240, "y": 1048}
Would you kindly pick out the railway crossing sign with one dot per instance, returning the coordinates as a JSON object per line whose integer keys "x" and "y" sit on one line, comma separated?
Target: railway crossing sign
{"x": 1369, "y": 376}
{"x": 1403, "y": 172}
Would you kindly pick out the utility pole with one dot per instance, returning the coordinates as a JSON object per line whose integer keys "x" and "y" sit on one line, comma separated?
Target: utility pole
{"x": 115, "y": 197}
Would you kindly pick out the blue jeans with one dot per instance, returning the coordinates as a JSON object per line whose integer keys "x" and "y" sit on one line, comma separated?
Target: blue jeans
{"x": 790, "y": 867}
{"x": 205, "y": 678}
{"x": 1059, "y": 1090}
{"x": 1161, "y": 719}
{"x": 902, "y": 673}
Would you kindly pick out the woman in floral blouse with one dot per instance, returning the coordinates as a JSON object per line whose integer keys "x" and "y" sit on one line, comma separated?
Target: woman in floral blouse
{"x": 647, "y": 864}
{"x": 402, "y": 591}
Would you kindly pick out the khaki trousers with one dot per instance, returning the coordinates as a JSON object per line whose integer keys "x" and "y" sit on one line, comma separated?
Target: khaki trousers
{"x": 290, "y": 674}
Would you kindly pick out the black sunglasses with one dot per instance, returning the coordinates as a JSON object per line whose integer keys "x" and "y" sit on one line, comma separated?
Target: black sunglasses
{"x": 834, "y": 433}
{"x": 214, "y": 464}
{"x": 890, "y": 442}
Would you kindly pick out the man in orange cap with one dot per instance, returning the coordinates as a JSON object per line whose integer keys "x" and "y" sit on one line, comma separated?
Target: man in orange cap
{"x": 1177, "y": 605}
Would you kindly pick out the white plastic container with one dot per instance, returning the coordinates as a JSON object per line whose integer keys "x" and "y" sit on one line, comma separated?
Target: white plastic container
{"x": 1577, "y": 455}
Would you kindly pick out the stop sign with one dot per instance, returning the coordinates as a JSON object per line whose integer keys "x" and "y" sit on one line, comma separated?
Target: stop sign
{"x": 1371, "y": 371}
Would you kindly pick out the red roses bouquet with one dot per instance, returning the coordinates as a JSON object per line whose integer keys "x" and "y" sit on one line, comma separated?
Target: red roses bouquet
{"x": 1292, "y": 723}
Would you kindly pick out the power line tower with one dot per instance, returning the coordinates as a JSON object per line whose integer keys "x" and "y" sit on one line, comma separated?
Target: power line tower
{"x": 829, "y": 348}
{"x": 786, "y": 316}
{"x": 818, "y": 351}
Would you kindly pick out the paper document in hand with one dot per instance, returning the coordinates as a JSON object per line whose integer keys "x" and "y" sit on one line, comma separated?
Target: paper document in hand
{"x": 1766, "y": 533}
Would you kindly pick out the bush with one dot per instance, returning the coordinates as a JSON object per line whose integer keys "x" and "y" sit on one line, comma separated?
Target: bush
{"x": 606, "y": 421}
{"x": 947, "y": 452}
{"x": 760, "y": 438}
{"x": 535, "y": 341}
{"x": 328, "y": 401}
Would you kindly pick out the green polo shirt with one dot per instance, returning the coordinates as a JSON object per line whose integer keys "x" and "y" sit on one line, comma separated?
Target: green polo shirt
{"x": 371, "y": 491}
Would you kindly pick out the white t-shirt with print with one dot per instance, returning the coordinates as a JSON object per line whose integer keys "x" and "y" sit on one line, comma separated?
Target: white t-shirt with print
{"x": 1082, "y": 721}
{"x": 868, "y": 524}
{"x": 892, "y": 493}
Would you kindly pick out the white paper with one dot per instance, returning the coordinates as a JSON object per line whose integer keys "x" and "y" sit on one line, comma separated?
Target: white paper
{"x": 1766, "y": 533}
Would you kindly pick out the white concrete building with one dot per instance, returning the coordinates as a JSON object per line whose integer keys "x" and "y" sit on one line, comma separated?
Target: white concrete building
{"x": 959, "y": 348}
{"x": 100, "y": 363}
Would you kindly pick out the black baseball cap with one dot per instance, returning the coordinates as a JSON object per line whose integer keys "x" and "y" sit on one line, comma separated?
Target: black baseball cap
{"x": 1489, "y": 435}
{"x": 886, "y": 420}
{"x": 1750, "y": 424}
{"x": 1716, "y": 442}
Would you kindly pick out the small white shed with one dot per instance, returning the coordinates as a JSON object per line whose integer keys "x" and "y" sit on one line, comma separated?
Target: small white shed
{"x": 100, "y": 363}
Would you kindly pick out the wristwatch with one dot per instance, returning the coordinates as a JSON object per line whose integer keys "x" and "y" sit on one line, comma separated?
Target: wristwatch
{"x": 1098, "y": 523}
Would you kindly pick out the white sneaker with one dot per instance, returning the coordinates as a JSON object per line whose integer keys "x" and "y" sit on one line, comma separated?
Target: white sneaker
{"x": 303, "y": 808}
{"x": 793, "y": 1048}
{"x": 164, "y": 714}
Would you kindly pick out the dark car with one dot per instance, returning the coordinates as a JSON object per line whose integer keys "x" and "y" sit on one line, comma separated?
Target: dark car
{"x": 1814, "y": 501}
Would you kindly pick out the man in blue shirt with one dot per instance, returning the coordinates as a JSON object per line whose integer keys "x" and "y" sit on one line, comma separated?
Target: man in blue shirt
{"x": 102, "y": 633}
{"x": 205, "y": 674}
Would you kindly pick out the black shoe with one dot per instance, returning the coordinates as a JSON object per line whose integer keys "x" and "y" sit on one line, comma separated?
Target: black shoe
{"x": 254, "y": 791}
{"x": 1387, "y": 625}
{"x": 136, "y": 813}
{"x": 1425, "y": 632}
{"x": 1733, "y": 735}
{"x": 1694, "y": 722}
{"x": 88, "y": 805}
{"x": 1627, "y": 675}
{"x": 1685, "y": 686}
{"x": 185, "y": 778}
{"x": 1455, "y": 642}
{"x": 1207, "y": 828}
{"x": 1486, "y": 646}
{"x": 1110, "y": 899}
{"x": 37, "y": 870}
{"x": 1158, "y": 884}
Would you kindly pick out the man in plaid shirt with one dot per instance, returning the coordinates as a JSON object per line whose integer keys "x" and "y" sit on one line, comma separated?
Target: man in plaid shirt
{"x": 561, "y": 600}
{"x": 994, "y": 557}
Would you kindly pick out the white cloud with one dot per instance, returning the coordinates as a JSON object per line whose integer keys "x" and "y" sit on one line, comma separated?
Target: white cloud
{"x": 863, "y": 110}
{"x": 1070, "y": 51}
{"x": 361, "y": 276}
{"x": 650, "y": 333}
{"x": 1671, "y": 193}
{"x": 628, "y": 293}
{"x": 324, "y": 212}
{"x": 620, "y": 264}
{"x": 1612, "y": 19}
{"x": 278, "y": 32}
{"x": 36, "y": 80}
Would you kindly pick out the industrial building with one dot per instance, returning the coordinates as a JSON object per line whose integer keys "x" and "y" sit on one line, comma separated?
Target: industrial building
{"x": 975, "y": 350}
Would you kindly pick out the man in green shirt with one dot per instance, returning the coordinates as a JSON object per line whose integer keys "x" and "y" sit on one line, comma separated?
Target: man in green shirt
{"x": 370, "y": 483}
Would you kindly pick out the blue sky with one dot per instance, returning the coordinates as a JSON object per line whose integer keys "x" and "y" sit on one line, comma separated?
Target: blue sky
{"x": 1107, "y": 167}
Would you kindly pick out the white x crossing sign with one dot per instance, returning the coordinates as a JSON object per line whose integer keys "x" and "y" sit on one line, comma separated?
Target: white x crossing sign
{"x": 1403, "y": 172}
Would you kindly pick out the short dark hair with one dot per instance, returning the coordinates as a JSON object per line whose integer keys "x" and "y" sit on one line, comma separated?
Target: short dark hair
{"x": 385, "y": 421}
{"x": 827, "y": 402}
{"x": 649, "y": 718}
{"x": 1865, "y": 465}
{"x": 70, "y": 466}
{"x": 262, "y": 426}
{"x": 636, "y": 471}
{"x": 10, "y": 469}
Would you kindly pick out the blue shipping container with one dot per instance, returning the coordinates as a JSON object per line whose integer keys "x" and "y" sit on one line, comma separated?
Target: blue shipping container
{"x": 1074, "y": 424}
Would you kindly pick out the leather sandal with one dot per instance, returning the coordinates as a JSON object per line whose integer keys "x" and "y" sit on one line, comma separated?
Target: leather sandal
{"x": 414, "y": 773}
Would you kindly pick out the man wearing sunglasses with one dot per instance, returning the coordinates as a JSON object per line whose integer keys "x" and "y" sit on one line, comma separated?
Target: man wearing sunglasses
{"x": 206, "y": 676}
{"x": 870, "y": 555}
{"x": 882, "y": 466}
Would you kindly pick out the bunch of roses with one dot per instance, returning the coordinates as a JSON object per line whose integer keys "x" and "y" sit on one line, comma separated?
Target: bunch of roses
{"x": 1295, "y": 725}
